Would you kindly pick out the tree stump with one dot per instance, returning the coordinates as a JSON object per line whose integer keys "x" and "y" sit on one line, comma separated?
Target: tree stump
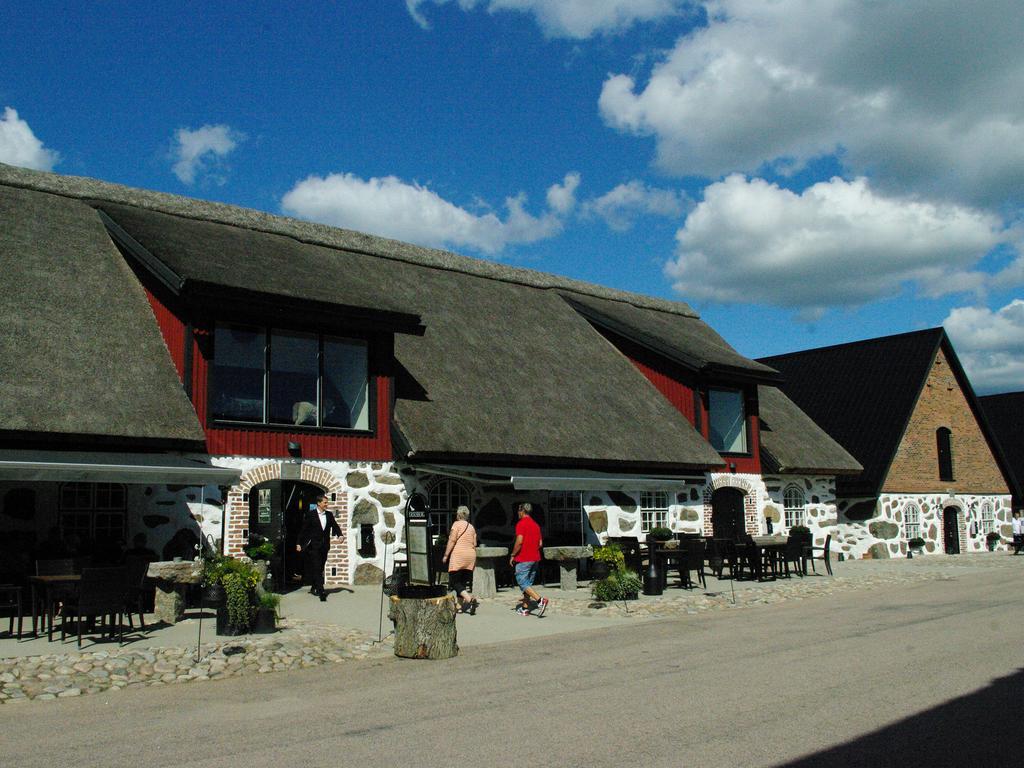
{"x": 424, "y": 627}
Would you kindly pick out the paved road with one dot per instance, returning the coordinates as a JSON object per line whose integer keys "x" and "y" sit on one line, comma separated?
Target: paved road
{"x": 928, "y": 674}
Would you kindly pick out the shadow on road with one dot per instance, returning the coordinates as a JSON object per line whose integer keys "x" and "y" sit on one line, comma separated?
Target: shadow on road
{"x": 981, "y": 729}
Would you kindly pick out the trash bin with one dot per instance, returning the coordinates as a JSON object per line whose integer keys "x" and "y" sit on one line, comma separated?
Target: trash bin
{"x": 652, "y": 578}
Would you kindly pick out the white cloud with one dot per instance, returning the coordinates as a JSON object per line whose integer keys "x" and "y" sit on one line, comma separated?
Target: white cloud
{"x": 393, "y": 208}
{"x": 202, "y": 151}
{"x": 562, "y": 197}
{"x": 569, "y": 18}
{"x": 621, "y": 205}
{"x": 917, "y": 93}
{"x": 19, "y": 145}
{"x": 990, "y": 345}
{"x": 836, "y": 243}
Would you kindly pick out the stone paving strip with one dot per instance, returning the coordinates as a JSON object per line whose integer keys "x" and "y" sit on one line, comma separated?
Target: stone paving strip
{"x": 301, "y": 645}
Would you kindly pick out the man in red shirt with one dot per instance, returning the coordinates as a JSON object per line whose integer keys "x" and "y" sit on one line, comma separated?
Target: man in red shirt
{"x": 525, "y": 558}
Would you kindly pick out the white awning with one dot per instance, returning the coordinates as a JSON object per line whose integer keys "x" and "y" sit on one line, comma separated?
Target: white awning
{"x": 561, "y": 479}
{"x": 100, "y": 467}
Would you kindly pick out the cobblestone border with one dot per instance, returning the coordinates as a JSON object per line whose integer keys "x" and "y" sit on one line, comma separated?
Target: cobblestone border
{"x": 57, "y": 676}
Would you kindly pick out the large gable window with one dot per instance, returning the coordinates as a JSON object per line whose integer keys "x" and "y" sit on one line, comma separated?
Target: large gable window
{"x": 272, "y": 376}
{"x": 727, "y": 421}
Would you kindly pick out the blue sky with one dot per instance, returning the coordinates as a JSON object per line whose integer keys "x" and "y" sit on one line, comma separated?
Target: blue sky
{"x": 802, "y": 173}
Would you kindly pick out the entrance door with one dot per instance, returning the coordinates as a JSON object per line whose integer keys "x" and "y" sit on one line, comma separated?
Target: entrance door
{"x": 951, "y": 530}
{"x": 727, "y": 513}
{"x": 276, "y": 509}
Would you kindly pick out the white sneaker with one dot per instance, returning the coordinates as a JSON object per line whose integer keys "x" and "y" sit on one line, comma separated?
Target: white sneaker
{"x": 542, "y": 605}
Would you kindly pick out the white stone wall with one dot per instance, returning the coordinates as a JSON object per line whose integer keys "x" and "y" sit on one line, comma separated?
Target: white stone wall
{"x": 883, "y": 534}
{"x": 820, "y": 511}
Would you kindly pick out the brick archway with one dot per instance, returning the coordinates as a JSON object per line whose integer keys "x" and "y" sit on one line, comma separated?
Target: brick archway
{"x": 236, "y": 513}
{"x": 750, "y": 517}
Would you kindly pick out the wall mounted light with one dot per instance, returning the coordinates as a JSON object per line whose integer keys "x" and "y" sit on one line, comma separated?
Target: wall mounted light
{"x": 294, "y": 449}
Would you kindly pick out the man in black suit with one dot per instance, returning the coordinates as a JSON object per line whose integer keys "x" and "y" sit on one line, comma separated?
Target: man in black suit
{"x": 318, "y": 525}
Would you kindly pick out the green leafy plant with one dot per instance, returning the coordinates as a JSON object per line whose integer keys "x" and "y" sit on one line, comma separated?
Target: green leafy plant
{"x": 660, "y": 533}
{"x": 620, "y": 584}
{"x": 800, "y": 531}
{"x": 992, "y": 537}
{"x": 611, "y": 554}
{"x": 916, "y": 543}
{"x": 238, "y": 592}
{"x": 262, "y": 551}
{"x": 270, "y": 601}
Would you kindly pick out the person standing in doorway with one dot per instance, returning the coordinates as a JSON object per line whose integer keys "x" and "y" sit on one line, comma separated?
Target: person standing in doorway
{"x": 314, "y": 539}
{"x": 460, "y": 555}
{"x": 525, "y": 558}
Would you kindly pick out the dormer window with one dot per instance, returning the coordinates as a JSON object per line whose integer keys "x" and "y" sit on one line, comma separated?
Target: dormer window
{"x": 281, "y": 377}
{"x": 727, "y": 421}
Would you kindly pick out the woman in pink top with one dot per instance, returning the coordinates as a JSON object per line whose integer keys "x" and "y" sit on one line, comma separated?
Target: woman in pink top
{"x": 460, "y": 554}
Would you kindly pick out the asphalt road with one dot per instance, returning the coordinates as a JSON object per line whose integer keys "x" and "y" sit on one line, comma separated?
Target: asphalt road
{"x": 929, "y": 674}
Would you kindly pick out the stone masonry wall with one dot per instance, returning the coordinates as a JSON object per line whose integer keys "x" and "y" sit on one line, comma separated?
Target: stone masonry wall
{"x": 915, "y": 468}
{"x": 874, "y": 528}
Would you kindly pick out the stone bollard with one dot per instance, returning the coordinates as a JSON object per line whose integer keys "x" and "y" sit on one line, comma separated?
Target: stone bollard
{"x": 568, "y": 560}
{"x": 172, "y": 580}
{"x": 484, "y": 583}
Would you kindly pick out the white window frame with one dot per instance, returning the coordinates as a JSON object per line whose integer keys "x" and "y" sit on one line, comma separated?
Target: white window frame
{"x": 911, "y": 528}
{"x": 565, "y": 510}
{"x": 794, "y": 512}
{"x": 653, "y": 514}
{"x": 988, "y": 517}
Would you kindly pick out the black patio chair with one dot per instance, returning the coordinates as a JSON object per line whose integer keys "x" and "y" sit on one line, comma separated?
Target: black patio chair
{"x": 721, "y": 554}
{"x": 793, "y": 553}
{"x": 695, "y": 561}
{"x": 136, "y": 569}
{"x": 825, "y": 555}
{"x": 101, "y": 594}
{"x": 46, "y": 599}
{"x": 10, "y": 602}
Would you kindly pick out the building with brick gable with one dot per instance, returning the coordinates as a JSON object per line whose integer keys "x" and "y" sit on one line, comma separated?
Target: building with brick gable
{"x": 199, "y": 373}
{"x": 904, "y": 408}
{"x": 1005, "y": 413}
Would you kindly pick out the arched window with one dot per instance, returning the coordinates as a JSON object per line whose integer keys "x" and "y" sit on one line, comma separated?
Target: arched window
{"x": 911, "y": 520}
{"x": 446, "y": 495}
{"x": 944, "y": 445}
{"x": 793, "y": 502}
{"x": 988, "y": 518}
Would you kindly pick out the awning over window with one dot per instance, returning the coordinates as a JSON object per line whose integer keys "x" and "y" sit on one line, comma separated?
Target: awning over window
{"x": 561, "y": 479}
{"x": 96, "y": 467}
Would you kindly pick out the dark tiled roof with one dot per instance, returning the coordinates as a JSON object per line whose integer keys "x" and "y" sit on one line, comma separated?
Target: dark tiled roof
{"x": 862, "y": 394}
{"x": 1005, "y": 416}
{"x": 80, "y": 353}
{"x": 792, "y": 442}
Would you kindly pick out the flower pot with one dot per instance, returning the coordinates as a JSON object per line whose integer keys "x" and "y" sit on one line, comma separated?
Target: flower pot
{"x": 212, "y": 595}
{"x": 265, "y": 622}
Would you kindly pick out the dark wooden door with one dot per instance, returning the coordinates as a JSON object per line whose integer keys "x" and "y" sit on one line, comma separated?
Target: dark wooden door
{"x": 276, "y": 509}
{"x": 951, "y": 530}
{"x": 727, "y": 513}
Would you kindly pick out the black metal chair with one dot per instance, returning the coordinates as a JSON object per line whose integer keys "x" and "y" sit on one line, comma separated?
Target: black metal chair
{"x": 721, "y": 554}
{"x": 101, "y": 593}
{"x": 825, "y": 556}
{"x": 10, "y": 600}
{"x": 44, "y": 603}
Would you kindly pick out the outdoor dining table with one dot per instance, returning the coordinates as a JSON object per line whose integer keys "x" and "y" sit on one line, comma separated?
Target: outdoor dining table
{"x": 47, "y": 585}
{"x": 664, "y": 556}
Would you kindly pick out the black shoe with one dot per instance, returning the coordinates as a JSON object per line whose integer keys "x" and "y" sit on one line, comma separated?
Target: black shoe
{"x": 312, "y": 590}
{"x": 323, "y": 596}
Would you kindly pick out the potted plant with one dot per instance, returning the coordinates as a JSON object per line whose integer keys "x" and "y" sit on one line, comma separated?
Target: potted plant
{"x": 237, "y": 579}
{"x": 660, "y": 534}
{"x": 267, "y": 613}
{"x": 916, "y": 544}
{"x": 606, "y": 559}
{"x": 620, "y": 584}
{"x": 992, "y": 539}
{"x": 264, "y": 550}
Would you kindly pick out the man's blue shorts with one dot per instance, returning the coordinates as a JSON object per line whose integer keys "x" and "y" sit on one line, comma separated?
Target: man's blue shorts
{"x": 526, "y": 574}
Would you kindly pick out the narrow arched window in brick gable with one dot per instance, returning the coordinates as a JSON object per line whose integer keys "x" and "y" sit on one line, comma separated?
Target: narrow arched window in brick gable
{"x": 944, "y": 444}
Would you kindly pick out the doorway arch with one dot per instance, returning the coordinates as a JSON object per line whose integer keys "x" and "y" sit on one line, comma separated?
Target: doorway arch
{"x": 276, "y": 509}
{"x": 727, "y": 517}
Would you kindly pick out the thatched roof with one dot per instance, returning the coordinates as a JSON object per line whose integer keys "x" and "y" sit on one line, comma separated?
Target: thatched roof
{"x": 791, "y": 442}
{"x": 509, "y": 367}
{"x": 80, "y": 352}
{"x": 680, "y": 336}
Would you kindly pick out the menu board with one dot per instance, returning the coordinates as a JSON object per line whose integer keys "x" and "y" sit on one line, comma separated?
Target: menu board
{"x": 418, "y": 551}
